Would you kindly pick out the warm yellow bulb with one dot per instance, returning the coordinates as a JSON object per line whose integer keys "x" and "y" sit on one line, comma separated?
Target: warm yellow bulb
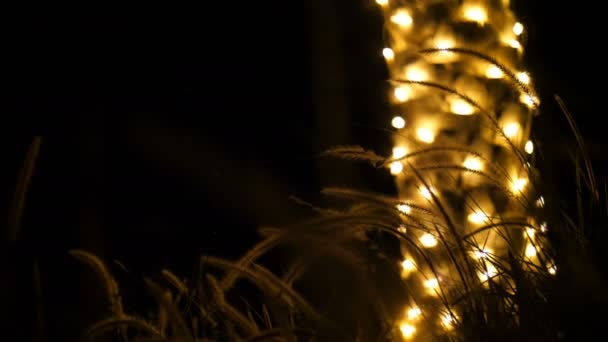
{"x": 482, "y": 253}
{"x": 382, "y": 2}
{"x": 407, "y": 330}
{"x": 514, "y": 43}
{"x": 408, "y": 265}
{"x": 425, "y": 135}
{"x": 530, "y": 233}
{"x": 396, "y": 168}
{"x": 477, "y": 14}
{"x": 519, "y": 184}
{"x": 403, "y": 93}
{"x": 402, "y": 18}
{"x": 530, "y": 250}
{"x": 543, "y": 227}
{"x": 416, "y": 74}
{"x": 523, "y": 77}
{"x": 413, "y": 313}
{"x": 527, "y": 99}
{"x": 511, "y": 129}
{"x": 447, "y": 321}
{"x": 529, "y": 148}
{"x": 473, "y": 163}
{"x": 426, "y": 193}
{"x": 494, "y": 72}
{"x": 552, "y": 269}
{"x": 477, "y": 217}
{"x": 399, "y": 152}
{"x": 388, "y": 53}
{"x": 431, "y": 284}
{"x": 404, "y": 208}
{"x": 428, "y": 240}
{"x": 488, "y": 273}
{"x": 461, "y": 107}
{"x": 540, "y": 202}
{"x": 398, "y": 122}
{"x": 518, "y": 28}
{"x": 444, "y": 44}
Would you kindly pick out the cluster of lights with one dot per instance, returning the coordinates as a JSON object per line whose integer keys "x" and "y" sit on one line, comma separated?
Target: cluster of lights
{"x": 418, "y": 107}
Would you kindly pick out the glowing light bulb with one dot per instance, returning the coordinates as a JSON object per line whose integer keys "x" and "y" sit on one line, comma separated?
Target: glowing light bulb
{"x": 543, "y": 227}
{"x": 413, "y": 313}
{"x": 404, "y": 208}
{"x": 527, "y": 99}
{"x": 473, "y": 163}
{"x": 431, "y": 284}
{"x": 552, "y": 269}
{"x": 461, "y": 107}
{"x": 388, "y": 54}
{"x": 447, "y": 321}
{"x": 540, "y": 202}
{"x": 408, "y": 265}
{"x": 519, "y": 184}
{"x": 494, "y": 72}
{"x": 518, "y": 28}
{"x": 382, "y": 2}
{"x": 482, "y": 253}
{"x": 396, "y": 168}
{"x": 514, "y": 43}
{"x": 530, "y": 250}
{"x": 407, "y": 330}
{"x": 426, "y": 193}
{"x": 402, "y": 18}
{"x": 523, "y": 77}
{"x": 425, "y": 135}
{"x": 511, "y": 129}
{"x": 444, "y": 44}
{"x": 529, "y": 148}
{"x": 402, "y": 229}
{"x": 416, "y": 74}
{"x": 477, "y": 217}
{"x": 477, "y": 14}
{"x": 399, "y": 152}
{"x": 488, "y": 273}
{"x": 428, "y": 240}
{"x": 398, "y": 122}
{"x": 529, "y": 233}
{"x": 403, "y": 93}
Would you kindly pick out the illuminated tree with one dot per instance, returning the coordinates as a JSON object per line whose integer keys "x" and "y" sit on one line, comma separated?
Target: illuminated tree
{"x": 462, "y": 160}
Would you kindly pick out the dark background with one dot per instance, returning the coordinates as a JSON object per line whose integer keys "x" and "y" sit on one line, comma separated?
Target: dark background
{"x": 168, "y": 133}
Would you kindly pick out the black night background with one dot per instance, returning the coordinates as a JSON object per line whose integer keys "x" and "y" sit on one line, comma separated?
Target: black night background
{"x": 174, "y": 131}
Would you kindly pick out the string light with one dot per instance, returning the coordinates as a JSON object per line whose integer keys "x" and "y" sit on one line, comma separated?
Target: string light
{"x": 402, "y": 18}
{"x": 414, "y": 313}
{"x": 388, "y": 54}
{"x": 518, "y": 28}
{"x": 449, "y": 139}
{"x": 428, "y": 240}
{"x": 396, "y": 167}
{"x": 477, "y": 217}
{"x": 398, "y": 122}
{"x": 404, "y": 208}
{"x": 462, "y": 107}
{"x": 477, "y": 14}
{"x": 425, "y": 135}
{"x": 494, "y": 72}
{"x": 529, "y": 148}
{"x": 473, "y": 163}
{"x": 402, "y": 93}
{"x": 511, "y": 129}
{"x": 407, "y": 330}
{"x": 399, "y": 152}
{"x": 523, "y": 77}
